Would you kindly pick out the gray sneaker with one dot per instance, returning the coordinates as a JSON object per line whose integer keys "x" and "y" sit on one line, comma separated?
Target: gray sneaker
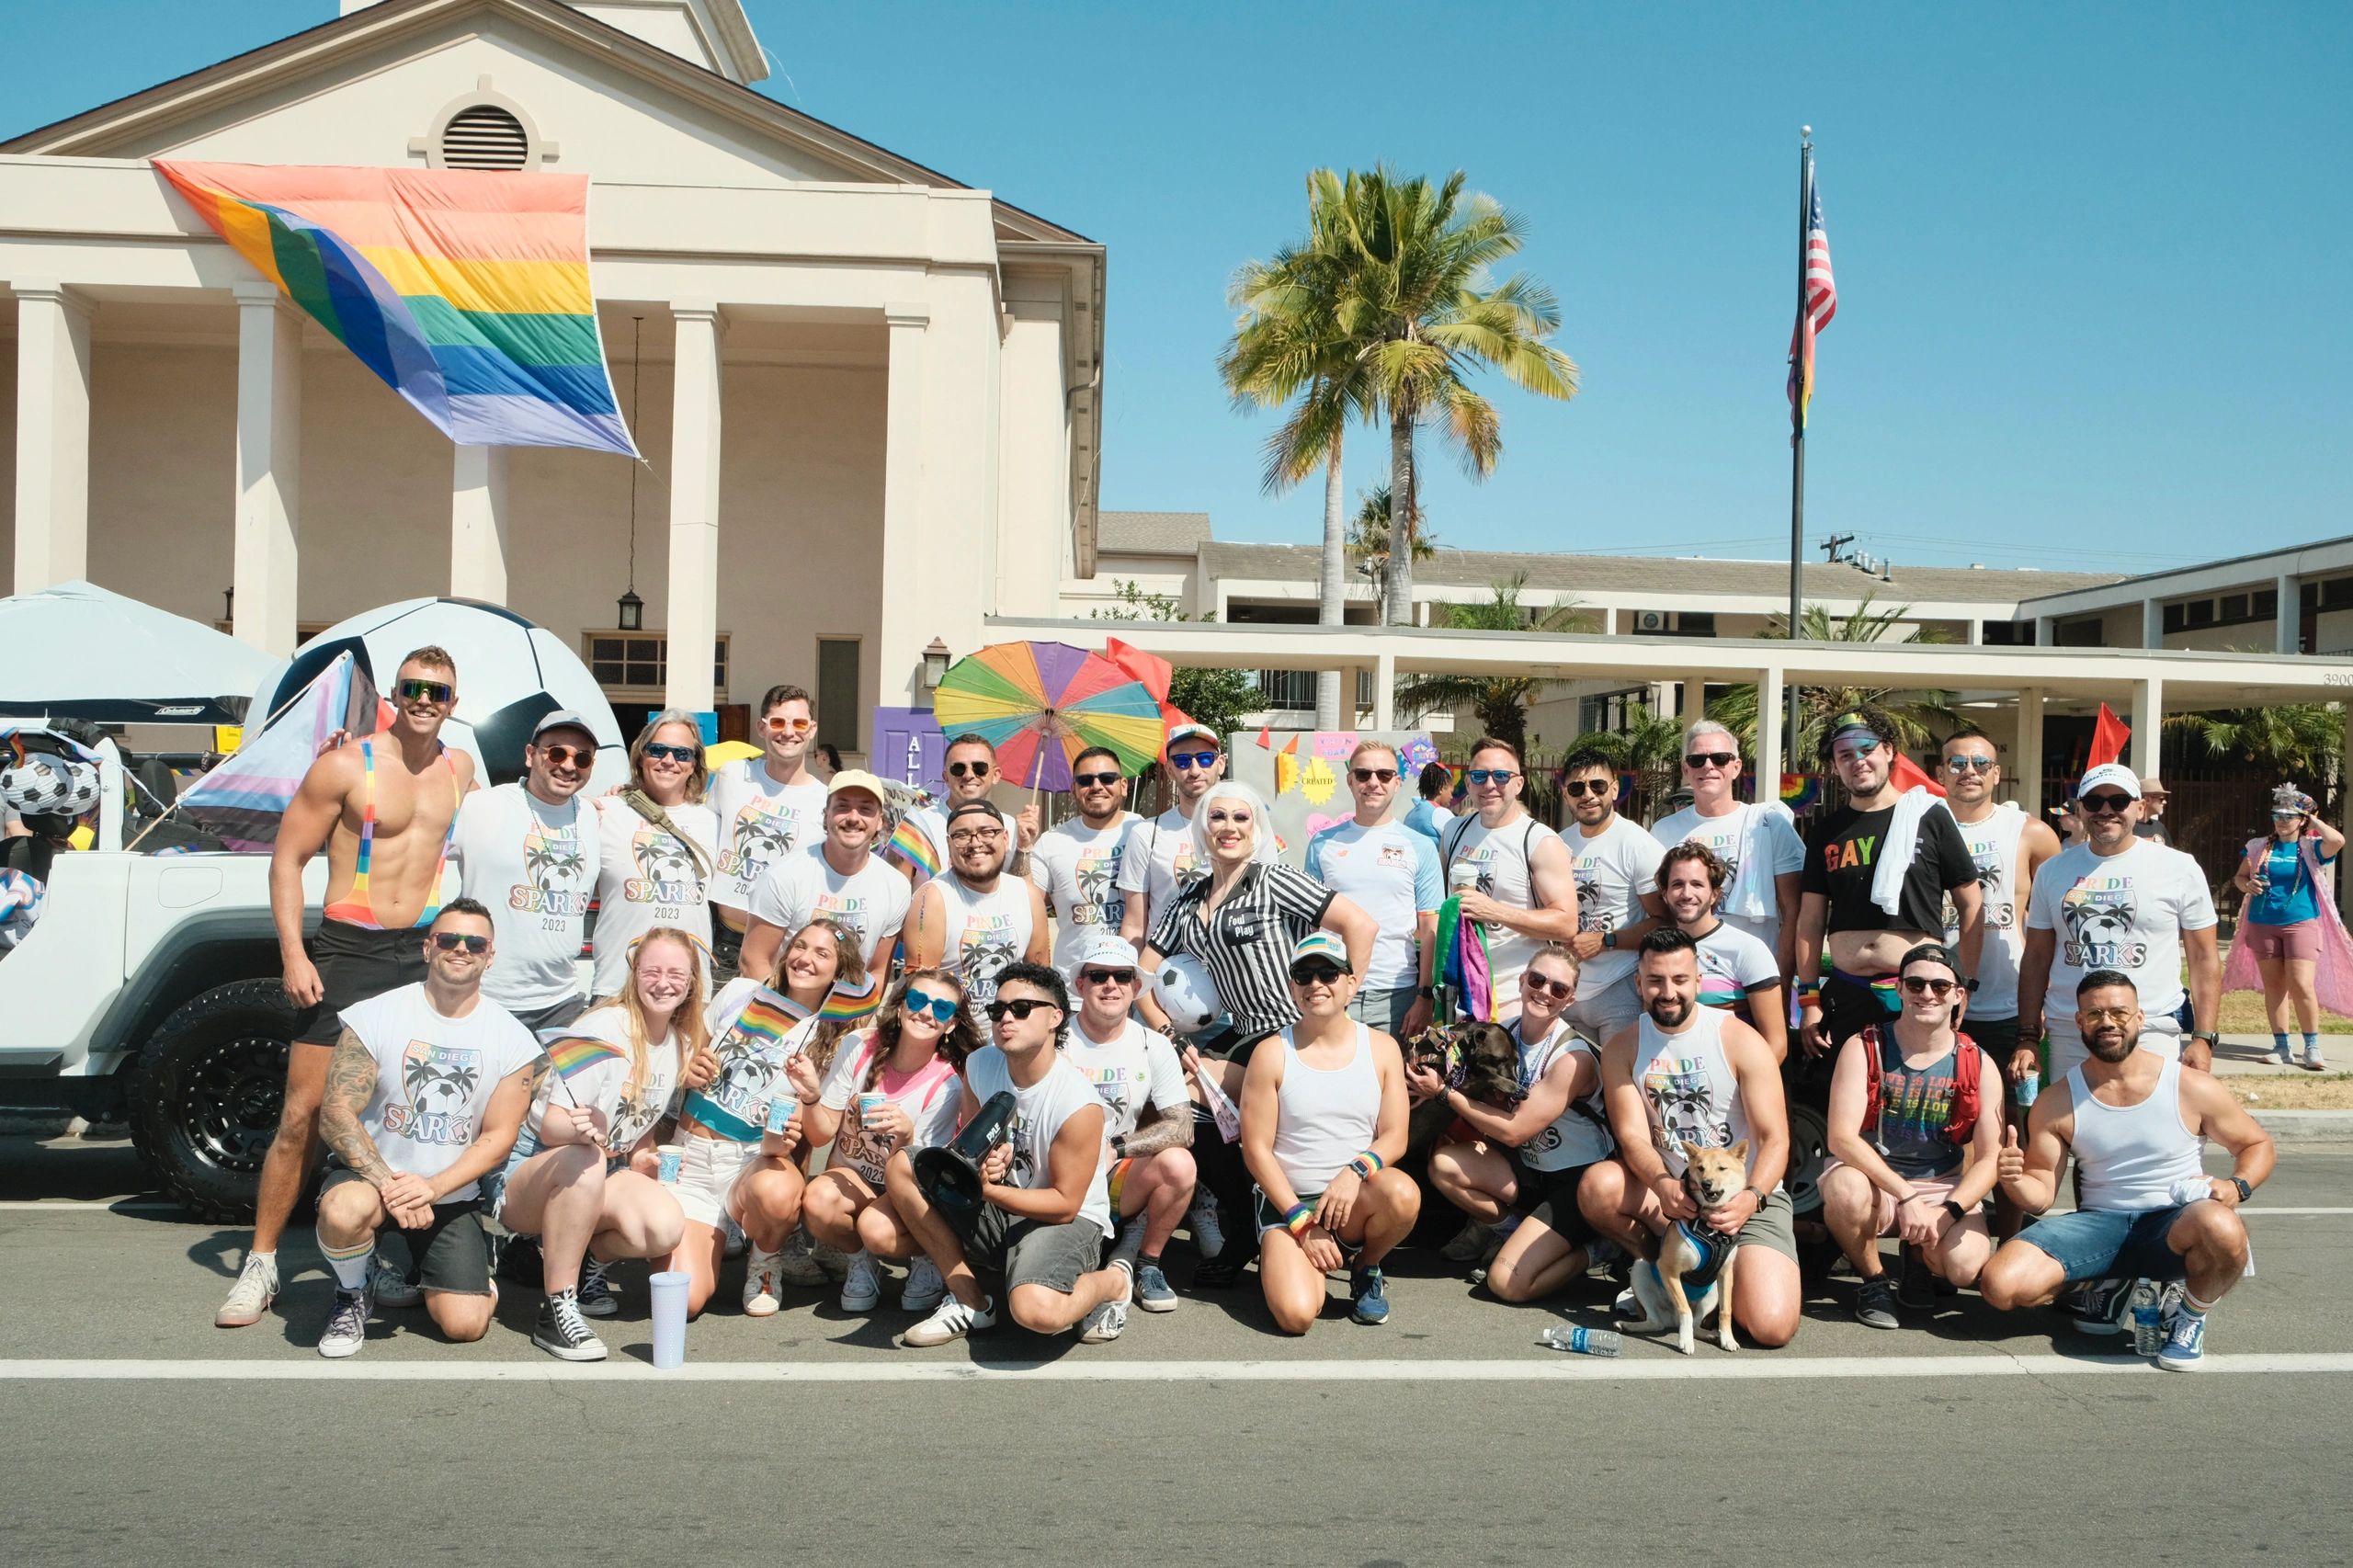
{"x": 1104, "y": 1324}
{"x": 1470, "y": 1243}
{"x": 1875, "y": 1303}
{"x": 346, "y": 1325}
{"x": 256, "y": 1287}
{"x": 1153, "y": 1293}
{"x": 797, "y": 1264}
{"x": 388, "y": 1283}
{"x": 924, "y": 1287}
{"x": 863, "y": 1290}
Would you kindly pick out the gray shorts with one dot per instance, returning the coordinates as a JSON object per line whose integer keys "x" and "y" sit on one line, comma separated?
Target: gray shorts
{"x": 1385, "y": 1008}
{"x": 1771, "y": 1227}
{"x": 1027, "y": 1253}
{"x": 1598, "y": 1015}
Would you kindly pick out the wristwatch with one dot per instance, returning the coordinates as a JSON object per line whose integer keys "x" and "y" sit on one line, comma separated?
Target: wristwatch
{"x": 1119, "y": 1146}
{"x": 1610, "y": 938}
{"x": 1955, "y": 1210}
{"x": 2210, "y": 1037}
{"x": 1757, "y": 1193}
{"x": 2245, "y": 1192}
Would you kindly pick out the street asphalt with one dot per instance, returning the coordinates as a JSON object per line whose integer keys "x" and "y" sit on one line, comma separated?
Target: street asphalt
{"x": 139, "y": 1432}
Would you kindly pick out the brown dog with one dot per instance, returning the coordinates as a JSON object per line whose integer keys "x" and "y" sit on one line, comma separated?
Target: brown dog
{"x": 1710, "y": 1177}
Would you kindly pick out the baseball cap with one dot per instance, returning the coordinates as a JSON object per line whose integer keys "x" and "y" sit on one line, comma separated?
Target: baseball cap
{"x": 2114, "y": 773}
{"x": 856, "y": 778}
{"x": 1103, "y": 950}
{"x": 563, "y": 719}
{"x": 1325, "y": 945}
{"x": 1187, "y": 731}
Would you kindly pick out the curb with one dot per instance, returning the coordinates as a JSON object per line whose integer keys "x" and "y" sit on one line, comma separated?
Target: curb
{"x": 2307, "y": 1126}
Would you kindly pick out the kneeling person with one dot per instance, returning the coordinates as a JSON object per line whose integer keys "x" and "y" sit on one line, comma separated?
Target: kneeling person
{"x": 424, "y": 1093}
{"x": 1044, "y": 1211}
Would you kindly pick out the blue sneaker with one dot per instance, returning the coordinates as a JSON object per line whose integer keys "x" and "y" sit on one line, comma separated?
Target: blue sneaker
{"x": 1153, "y": 1293}
{"x": 1369, "y": 1293}
{"x": 2184, "y": 1348}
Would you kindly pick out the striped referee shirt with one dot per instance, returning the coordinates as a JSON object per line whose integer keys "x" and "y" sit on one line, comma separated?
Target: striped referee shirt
{"x": 1247, "y": 943}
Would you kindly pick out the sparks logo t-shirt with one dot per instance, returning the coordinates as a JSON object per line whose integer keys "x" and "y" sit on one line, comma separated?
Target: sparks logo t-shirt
{"x": 760, "y": 821}
{"x": 871, "y": 901}
{"x": 434, "y": 1076}
{"x": 647, "y": 877}
{"x": 534, "y": 866}
{"x": 2123, "y": 912}
{"x": 1077, "y": 867}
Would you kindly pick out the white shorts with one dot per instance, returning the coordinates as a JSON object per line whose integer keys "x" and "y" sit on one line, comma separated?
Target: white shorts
{"x": 1600, "y": 1013}
{"x": 707, "y": 1176}
{"x": 2067, "y": 1051}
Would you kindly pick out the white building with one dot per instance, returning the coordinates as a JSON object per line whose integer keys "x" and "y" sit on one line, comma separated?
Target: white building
{"x": 869, "y": 395}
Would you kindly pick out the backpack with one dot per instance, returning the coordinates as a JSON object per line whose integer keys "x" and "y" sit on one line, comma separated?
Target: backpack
{"x": 1966, "y": 1060}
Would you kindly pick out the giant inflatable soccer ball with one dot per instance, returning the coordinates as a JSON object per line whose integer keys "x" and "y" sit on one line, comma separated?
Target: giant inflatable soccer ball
{"x": 510, "y": 672}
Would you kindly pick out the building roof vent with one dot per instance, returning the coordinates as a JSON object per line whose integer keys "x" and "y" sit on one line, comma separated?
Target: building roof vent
{"x": 484, "y": 136}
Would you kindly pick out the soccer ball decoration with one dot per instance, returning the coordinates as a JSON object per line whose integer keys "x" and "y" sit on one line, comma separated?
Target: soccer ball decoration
{"x": 50, "y": 786}
{"x": 1186, "y": 993}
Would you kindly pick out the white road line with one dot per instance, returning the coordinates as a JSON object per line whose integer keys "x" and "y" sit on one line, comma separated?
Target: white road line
{"x": 1710, "y": 1365}
{"x": 88, "y": 1205}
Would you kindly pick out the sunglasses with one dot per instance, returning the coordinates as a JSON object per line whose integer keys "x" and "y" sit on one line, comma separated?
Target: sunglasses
{"x": 1019, "y": 1008}
{"x": 918, "y": 1003}
{"x": 1537, "y": 985}
{"x": 564, "y": 756}
{"x": 1107, "y": 976}
{"x": 450, "y": 941}
{"x": 1921, "y": 985}
{"x": 1577, "y": 786}
{"x": 2096, "y": 1014}
{"x": 426, "y": 691}
{"x": 1092, "y": 781}
{"x": 1367, "y": 775}
{"x": 1317, "y": 973}
{"x": 2105, "y": 804}
{"x": 1699, "y": 759}
{"x": 968, "y": 770}
{"x": 1188, "y": 760}
{"x": 1489, "y": 775}
{"x": 790, "y": 726}
{"x": 1957, "y": 765}
{"x": 662, "y": 751}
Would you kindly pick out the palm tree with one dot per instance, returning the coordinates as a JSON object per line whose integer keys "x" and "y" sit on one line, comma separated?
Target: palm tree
{"x": 2300, "y": 741}
{"x": 1918, "y": 715}
{"x": 1369, "y": 537}
{"x": 1500, "y": 701}
{"x": 1418, "y": 311}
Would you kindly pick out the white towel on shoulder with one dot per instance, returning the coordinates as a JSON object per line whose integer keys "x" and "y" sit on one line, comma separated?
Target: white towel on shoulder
{"x": 1751, "y": 896}
{"x": 1903, "y": 840}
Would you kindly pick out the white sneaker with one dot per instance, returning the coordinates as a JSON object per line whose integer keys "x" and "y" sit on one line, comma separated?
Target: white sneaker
{"x": 256, "y": 1287}
{"x": 2314, "y": 1060}
{"x": 2283, "y": 1056}
{"x": 924, "y": 1287}
{"x": 950, "y": 1320}
{"x": 388, "y": 1282}
{"x": 760, "y": 1285}
{"x": 346, "y": 1325}
{"x": 797, "y": 1264}
{"x": 1470, "y": 1243}
{"x": 1104, "y": 1324}
{"x": 863, "y": 1290}
{"x": 1208, "y": 1234}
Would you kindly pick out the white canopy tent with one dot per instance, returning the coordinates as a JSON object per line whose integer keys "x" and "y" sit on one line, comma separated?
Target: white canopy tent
{"x": 78, "y": 651}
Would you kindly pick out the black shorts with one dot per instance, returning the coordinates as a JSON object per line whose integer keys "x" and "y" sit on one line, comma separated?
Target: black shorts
{"x": 1550, "y": 1197}
{"x": 555, "y": 1016}
{"x": 1028, "y": 1252}
{"x": 1233, "y": 1044}
{"x": 1996, "y": 1036}
{"x": 452, "y": 1254}
{"x": 726, "y": 952}
{"x": 355, "y": 962}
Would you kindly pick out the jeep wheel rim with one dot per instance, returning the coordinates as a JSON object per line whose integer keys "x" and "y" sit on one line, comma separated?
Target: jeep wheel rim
{"x": 230, "y": 1101}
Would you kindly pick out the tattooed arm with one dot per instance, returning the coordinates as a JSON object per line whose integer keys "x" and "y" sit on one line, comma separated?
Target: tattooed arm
{"x": 502, "y": 1119}
{"x": 351, "y": 1083}
{"x": 1158, "y": 1130}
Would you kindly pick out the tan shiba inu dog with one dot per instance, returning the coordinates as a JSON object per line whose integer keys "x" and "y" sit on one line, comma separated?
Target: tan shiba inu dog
{"x": 1691, "y": 1257}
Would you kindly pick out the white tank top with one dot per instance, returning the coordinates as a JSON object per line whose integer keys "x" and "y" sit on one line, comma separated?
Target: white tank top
{"x": 1325, "y": 1117}
{"x": 2132, "y": 1156}
{"x": 1580, "y": 1135}
{"x": 986, "y": 931}
{"x": 1688, "y": 1088}
{"x": 1501, "y": 856}
{"x": 1994, "y": 845}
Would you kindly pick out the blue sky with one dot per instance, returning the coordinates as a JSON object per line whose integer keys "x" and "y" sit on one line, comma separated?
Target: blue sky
{"x": 2092, "y": 259}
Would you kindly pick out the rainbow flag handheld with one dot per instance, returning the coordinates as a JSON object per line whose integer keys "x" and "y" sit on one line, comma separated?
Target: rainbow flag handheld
{"x": 853, "y": 1000}
{"x": 573, "y": 1055}
{"x": 768, "y": 1018}
{"x": 910, "y": 849}
{"x": 465, "y": 291}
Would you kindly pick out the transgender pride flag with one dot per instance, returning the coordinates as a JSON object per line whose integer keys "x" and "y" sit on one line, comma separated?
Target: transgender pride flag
{"x": 466, "y": 291}
{"x": 245, "y": 798}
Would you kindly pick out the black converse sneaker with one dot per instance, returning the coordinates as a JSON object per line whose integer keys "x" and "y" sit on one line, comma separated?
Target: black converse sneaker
{"x": 596, "y": 1292}
{"x": 563, "y": 1332}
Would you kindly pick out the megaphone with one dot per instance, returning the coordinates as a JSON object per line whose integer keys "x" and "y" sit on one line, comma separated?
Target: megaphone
{"x": 950, "y": 1176}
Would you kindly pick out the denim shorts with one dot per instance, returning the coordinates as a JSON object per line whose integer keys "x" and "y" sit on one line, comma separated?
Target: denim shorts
{"x": 2111, "y": 1244}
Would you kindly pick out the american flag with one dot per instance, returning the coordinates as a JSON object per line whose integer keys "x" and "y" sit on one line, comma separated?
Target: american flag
{"x": 1820, "y": 303}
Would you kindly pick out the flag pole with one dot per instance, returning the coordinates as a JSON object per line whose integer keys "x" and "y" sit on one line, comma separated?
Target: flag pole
{"x": 1797, "y": 456}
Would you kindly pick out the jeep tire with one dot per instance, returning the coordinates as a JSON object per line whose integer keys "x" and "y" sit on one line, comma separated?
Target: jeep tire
{"x": 206, "y": 1100}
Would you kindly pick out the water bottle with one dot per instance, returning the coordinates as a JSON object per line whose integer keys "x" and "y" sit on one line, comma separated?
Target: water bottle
{"x": 1583, "y": 1340}
{"x": 2145, "y": 1310}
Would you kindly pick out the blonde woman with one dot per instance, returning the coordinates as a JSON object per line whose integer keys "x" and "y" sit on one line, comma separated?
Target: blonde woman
{"x": 573, "y": 1180}
{"x": 656, "y": 849}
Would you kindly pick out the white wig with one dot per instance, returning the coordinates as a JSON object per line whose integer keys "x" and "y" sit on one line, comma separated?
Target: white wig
{"x": 1262, "y": 837}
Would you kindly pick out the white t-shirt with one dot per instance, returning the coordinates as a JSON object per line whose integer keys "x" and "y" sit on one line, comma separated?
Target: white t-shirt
{"x": 751, "y": 1063}
{"x": 1504, "y": 859}
{"x": 2123, "y": 912}
{"x": 535, "y": 866}
{"x": 1077, "y": 867}
{"x": 1039, "y": 1112}
{"x": 1161, "y": 858}
{"x": 603, "y": 1085}
{"x": 986, "y": 931}
{"x": 871, "y": 901}
{"x": 1136, "y": 1068}
{"x": 434, "y": 1077}
{"x": 1732, "y": 964}
{"x": 929, "y": 1096}
{"x": 1775, "y": 836}
{"x": 644, "y": 879}
{"x": 1391, "y": 872}
{"x": 1616, "y": 868}
{"x": 760, "y": 821}
{"x": 1576, "y": 1137}
{"x": 1993, "y": 847}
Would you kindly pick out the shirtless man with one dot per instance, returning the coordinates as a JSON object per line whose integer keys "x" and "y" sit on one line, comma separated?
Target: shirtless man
{"x": 383, "y": 806}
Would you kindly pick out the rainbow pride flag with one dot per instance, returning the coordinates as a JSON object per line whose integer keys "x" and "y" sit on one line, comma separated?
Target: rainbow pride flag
{"x": 1801, "y": 791}
{"x": 768, "y": 1018}
{"x": 465, "y": 291}
{"x": 573, "y": 1055}
{"x": 910, "y": 849}
{"x": 853, "y": 999}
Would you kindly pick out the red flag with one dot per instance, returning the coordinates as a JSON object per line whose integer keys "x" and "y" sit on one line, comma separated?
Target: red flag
{"x": 1291, "y": 747}
{"x": 1908, "y": 773}
{"x": 1266, "y": 737}
{"x": 2107, "y": 738}
{"x": 1153, "y": 671}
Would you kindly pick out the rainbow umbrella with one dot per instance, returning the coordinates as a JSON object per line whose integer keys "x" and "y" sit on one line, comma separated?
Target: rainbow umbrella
{"x": 1042, "y": 703}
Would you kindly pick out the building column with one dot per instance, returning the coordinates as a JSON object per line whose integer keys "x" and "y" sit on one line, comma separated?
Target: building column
{"x": 2030, "y": 752}
{"x": 2291, "y": 612}
{"x": 1384, "y": 693}
{"x": 266, "y": 562}
{"x": 478, "y": 525}
{"x": 903, "y": 636}
{"x": 692, "y": 618}
{"x": 1609, "y": 621}
{"x": 1695, "y": 698}
{"x": 2148, "y": 717}
{"x": 1974, "y": 632}
{"x": 2153, "y": 624}
{"x": 1772, "y": 712}
{"x": 2046, "y": 631}
{"x": 52, "y": 435}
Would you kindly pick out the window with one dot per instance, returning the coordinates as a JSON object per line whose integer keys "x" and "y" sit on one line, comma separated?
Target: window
{"x": 2176, "y": 618}
{"x": 2234, "y": 606}
{"x": 838, "y": 693}
{"x": 2079, "y": 633}
{"x": 2011, "y": 633}
{"x": 627, "y": 663}
{"x": 1287, "y": 688}
{"x": 2201, "y": 612}
{"x": 484, "y": 136}
{"x": 2335, "y": 594}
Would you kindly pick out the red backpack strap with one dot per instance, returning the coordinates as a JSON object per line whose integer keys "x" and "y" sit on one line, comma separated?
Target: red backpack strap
{"x": 1870, "y": 1036}
{"x": 1967, "y": 1064}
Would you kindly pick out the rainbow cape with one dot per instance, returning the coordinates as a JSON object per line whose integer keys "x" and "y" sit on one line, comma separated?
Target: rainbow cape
{"x": 910, "y": 849}
{"x": 465, "y": 291}
{"x": 1462, "y": 965}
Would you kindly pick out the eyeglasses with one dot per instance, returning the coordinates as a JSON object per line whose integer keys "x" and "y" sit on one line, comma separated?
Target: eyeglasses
{"x": 1020, "y": 1008}
{"x": 976, "y": 835}
{"x": 790, "y": 726}
{"x": 2104, "y": 805}
{"x": 918, "y": 1003}
{"x": 564, "y": 756}
{"x": 1188, "y": 760}
{"x": 450, "y": 941}
{"x": 1577, "y": 786}
{"x": 1318, "y": 972}
{"x": 1699, "y": 759}
{"x": 1921, "y": 985}
{"x": 662, "y": 751}
{"x": 426, "y": 691}
{"x": 1537, "y": 985}
{"x": 1957, "y": 765}
{"x": 1367, "y": 775}
{"x": 1092, "y": 781}
{"x": 2101, "y": 1014}
{"x": 967, "y": 769}
{"x": 1489, "y": 775}
{"x": 1107, "y": 976}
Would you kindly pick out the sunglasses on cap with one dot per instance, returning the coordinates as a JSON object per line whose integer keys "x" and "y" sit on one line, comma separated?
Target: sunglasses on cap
{"x": 1107, "y": 976}
{"x": 1188, "y": 760}
{"x": 790, "y": 726}
{"x": 1092, "y": 781}
{"x": 1489, "y": 775}
{"x": 450, "y": 941}
{"x": 1957, "y": 765}
{"x": 1020, "y": 1008}
{"x": 1316, "y": 972}
{"x": 1577, "y": 787}
{"x": 918, "y": 1003}
{"x": 426, "y": 691}
{"x": 1921, "y": 985}
{"x": 663, "y": 751}
{"x": 2105, "y": 804}
{"x": 1367, "y": 775}
{"x": 1699, "y": 759}
{"x": 560, "y": 755}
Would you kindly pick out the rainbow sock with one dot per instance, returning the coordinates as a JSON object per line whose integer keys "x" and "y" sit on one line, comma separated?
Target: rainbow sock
{"x": 350, "y": 1266}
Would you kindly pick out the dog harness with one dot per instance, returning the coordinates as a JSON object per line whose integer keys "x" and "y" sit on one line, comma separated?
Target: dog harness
{"x": 1713, "y": 1247}
{"x": 356, "y": 907}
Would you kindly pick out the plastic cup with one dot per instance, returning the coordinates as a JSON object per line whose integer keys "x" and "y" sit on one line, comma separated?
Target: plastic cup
{"x": 2030, "y": 1085}
{"x": 780, "y": 1109}
{"x": 671, "y": 1155}
{"x": 669, "y": 1293}
{"x": 868, "y": 1104}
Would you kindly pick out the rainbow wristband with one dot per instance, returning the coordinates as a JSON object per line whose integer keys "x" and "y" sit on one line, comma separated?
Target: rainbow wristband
{"x": 1364, "y": 1164}
{"x": 1809, "y": 989}
{"x": 1300, "y": 1217}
